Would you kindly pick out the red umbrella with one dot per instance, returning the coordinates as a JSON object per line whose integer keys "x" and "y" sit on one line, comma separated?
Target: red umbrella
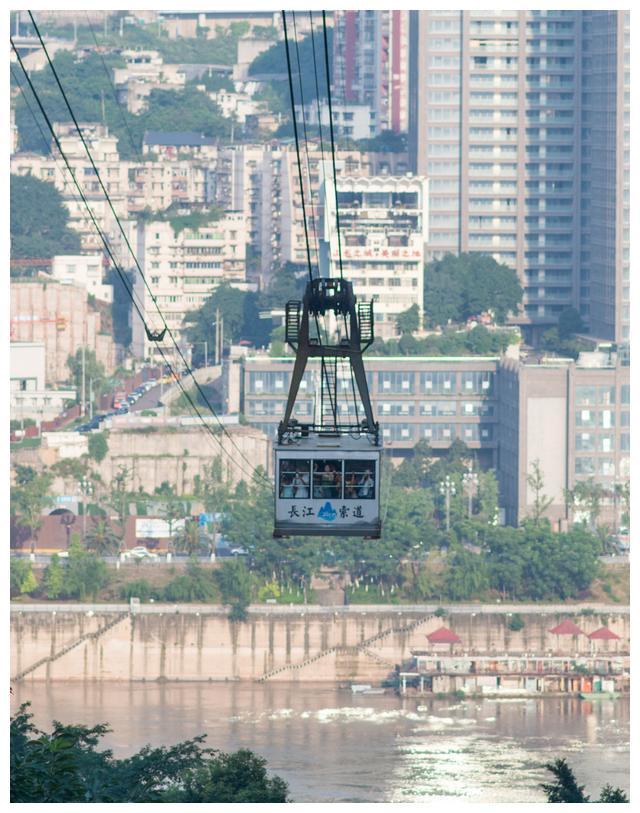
{"x": 566, "y": 627}
{"x": 604, "y": 634}
{"x": 443, "y": 636}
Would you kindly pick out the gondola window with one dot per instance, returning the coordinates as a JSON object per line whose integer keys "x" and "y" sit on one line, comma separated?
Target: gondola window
{"x": 327, "y": 479}
{"x": 359, "y": 480}
{"x": 294, "y": 479}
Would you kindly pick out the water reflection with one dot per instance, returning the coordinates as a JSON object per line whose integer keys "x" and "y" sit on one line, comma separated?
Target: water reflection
{"x": 333, "y": 746}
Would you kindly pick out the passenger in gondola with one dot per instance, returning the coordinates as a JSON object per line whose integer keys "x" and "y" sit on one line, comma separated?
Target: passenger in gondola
{"x": 286, "y": 485}
{"x": 350, "y": 489}
{"x": 301, "y": 485}
{"x": 366, "y": 485}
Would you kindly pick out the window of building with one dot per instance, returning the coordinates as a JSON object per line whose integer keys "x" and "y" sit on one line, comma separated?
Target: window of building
{"x": 585, "y": 442}
{"x": 440, "y": 383}
{"x": 395, "y": 382}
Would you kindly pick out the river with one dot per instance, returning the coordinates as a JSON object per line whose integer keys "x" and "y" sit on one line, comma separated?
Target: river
{"x": 332, "y": 746}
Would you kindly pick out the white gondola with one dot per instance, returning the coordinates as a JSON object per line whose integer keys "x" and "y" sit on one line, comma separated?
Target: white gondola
{"x": 328, "y": 486}
{"x": 327, "y": 473}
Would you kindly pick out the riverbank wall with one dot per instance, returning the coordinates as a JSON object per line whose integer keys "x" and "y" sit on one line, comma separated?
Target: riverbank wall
{"x": 276, "y": 643}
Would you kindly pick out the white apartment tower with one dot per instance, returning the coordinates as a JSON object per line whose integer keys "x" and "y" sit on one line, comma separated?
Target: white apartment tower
{"x": 383, "y": 231}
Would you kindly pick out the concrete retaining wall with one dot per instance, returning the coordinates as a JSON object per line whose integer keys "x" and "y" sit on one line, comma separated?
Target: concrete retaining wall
{"x": 281, "y": 643}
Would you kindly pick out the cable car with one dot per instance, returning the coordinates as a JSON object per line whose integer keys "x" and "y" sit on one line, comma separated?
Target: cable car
{"x": 328, "y": 472}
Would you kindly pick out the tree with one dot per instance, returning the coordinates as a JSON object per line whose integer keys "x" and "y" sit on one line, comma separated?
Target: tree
{"x": 569, "y": 323}
{"x": 234, "y": 778}
{"x": 466, "y": 576}
{"x": 408, "y": 321}
{"x": 29, "y": 496}
{"x": 101, "y": 538}
{"x": 236, "y": 586}
{"x": 458, "y": 287}
{"x": 54, "y": 578}
{"x": 195, "y": 584}
{"x": 39, "y": 220}
{"x": 65, "y": 766}
{"x": 84, "y": 574}
{"x": 187, "y": 538}
{"x": 22, "y": 579}
{"x": 586, "y": 497}
{"x": 535, "y": 481}
{"x": 565, "y": 787}
{"x": 93, "y": 369}
{"x": 98, "y": 446}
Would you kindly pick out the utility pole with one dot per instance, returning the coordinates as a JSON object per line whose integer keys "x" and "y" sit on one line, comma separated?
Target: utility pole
{"x": 447, "y": 489}
{"x": 217, "y": 344}
{"x": 221, "y": 337}
{"x": 205, "y": 354}
{"x": 102, "y": 106}
{"x": 90, "y": 398}
{"x": 470, "y": 480}
{"x": 82, "y": 393}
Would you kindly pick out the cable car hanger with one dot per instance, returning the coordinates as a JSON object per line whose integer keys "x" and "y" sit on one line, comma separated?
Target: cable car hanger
{"x": 323, "y": 295}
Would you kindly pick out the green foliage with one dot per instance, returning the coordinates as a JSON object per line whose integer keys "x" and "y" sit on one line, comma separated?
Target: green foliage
{"x": 71, "y": 468}
{"x": 235, "y": 584}
{"x": 535, "y": 481}
{"x": 84, "y": 574}
{"x": 138, "y": 588}
{"x": 88, "y": 89}
{"x": 565, "y": 787}
{"x": 65, "y": 766}
{"x": 569, "y": 323}
{"x": 466, "y": 576}
{"x": 54, "y": 578}
{"x": 39, "y": 220}
{"x": 386, "y": 141}
{"x": 457, "y": 288}
{"x": 22, "y": 423}
{"x": 101, "y": 538}
{"x": 515, "y": 623}
{"x": 479, "y": 341}
{"x": 98, "y": 446}
{"x": 195, "y": 584}
{"x": 274, "y": 61}
{"x": 408, "y": 321}
{"x": 29, "y": 496}
{"x": 21, "y": 579}
{"x": 570, "y": 347}
{"x": 187, "y": 539}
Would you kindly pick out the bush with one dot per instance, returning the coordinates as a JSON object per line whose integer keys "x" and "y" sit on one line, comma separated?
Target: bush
{"x": 195, "y": 584}
{"x": 22, "y": 579}
{"x": 139, "y": 588}
{"x": 515, "y": 623}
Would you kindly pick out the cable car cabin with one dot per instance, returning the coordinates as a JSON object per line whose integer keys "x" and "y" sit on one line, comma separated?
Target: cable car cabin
{"x": 328, "y": 486}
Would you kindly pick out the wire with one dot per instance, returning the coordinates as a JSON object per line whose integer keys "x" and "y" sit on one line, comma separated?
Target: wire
{"x": 333, "y": 146}
{"x": 306, "y": 144}
{"x": 126, "y": 240}
{"x": 295, "y": 133}
{"x": 107, "y": 247}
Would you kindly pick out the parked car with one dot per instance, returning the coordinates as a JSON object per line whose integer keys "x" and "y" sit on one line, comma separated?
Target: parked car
{"x": 140, "y": 552}
{"x": 122, "y": 411}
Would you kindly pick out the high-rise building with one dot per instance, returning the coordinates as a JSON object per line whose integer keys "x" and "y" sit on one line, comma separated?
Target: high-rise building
{"x": 604, "y": 268}
{"x": 370, "y": 64}
{"x": 498, "y": 102}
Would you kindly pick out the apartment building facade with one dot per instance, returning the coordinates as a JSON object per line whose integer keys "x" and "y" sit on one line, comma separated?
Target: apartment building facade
{"x": 371, "y": 64}
{"x": 383, "y": 232}
{"x": 182, "y": 268}
{"x": 518, "y": 118}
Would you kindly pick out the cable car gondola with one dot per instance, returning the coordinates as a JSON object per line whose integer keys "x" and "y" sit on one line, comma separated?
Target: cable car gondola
{"x": 328, "y": 473}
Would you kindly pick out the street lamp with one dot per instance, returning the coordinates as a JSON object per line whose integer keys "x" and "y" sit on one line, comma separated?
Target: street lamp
{"x": 447, "y": 489}
{"x": 86, "y": 489}
{"x": 470, "y": 482}
{"x": 206, "y": 348}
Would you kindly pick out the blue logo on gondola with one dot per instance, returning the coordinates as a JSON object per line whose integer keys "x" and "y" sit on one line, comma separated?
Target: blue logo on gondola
{"x": 327, "y": 512}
